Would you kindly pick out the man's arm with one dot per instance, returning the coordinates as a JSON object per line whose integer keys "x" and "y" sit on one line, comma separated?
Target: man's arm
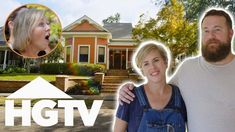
{"x": 125, "y": 93}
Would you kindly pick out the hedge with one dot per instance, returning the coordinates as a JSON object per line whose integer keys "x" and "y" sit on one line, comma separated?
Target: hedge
{"x": 71, "y": 69}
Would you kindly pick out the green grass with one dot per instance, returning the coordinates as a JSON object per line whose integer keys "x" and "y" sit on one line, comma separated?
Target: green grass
{"x": 26, "y": 77}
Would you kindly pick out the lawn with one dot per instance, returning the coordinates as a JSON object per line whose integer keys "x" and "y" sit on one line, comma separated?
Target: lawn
{"x": 26, "y": 77}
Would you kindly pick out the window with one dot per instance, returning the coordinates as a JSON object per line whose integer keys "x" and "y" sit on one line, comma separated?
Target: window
{"x": 84, "y": 54}
{"x": 101, "y": 55}
{"x": 68, "y": 53}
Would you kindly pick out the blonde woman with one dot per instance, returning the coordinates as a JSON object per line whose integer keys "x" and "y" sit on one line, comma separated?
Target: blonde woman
{"x": 158, "y": 106}
{"x": 31, "y": 33}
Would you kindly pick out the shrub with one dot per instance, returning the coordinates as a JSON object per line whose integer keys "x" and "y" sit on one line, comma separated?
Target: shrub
{"x": 54, "y": 68}
{"x": 71, "y": 69}
{"x": 34, "y": 69}
{"x": 14, "y": 70}
{"x": 89, "y": 69}
{"x": 1, "y": 71}
{"x": 86, "y": 87}
{"x": 131, "y": 70}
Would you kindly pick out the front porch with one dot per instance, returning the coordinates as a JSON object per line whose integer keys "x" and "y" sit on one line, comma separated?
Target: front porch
{"x": 9, "y": 58}
{"x": 120, "y": 58}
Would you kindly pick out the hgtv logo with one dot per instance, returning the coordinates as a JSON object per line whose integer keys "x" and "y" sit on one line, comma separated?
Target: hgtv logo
{"x": 41, "y": 89}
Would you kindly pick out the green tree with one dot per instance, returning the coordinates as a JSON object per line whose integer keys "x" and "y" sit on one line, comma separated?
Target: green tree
{"x": 55, "y": 55}
{"x": 171, "y": 28}
{"x": 194, "y": 8}
{"x": 113, "y": 19}
{"x": 26, "y": 65}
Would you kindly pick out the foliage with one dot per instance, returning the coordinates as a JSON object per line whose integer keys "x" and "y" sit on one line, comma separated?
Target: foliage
{"x": 194, "y": 8}
{"x": 171, "y": 28}
{"x": 34, "y": 69}
{"x": 54, "y": 68}
{"x": 1, "y": 71}
{"x": 55, "y": 55}
{"x": 89, "y": 69}
{"x": 112, "y": 19}
{"x": 87, "y": 87}
{"x": 10, "y": 70}
{"x": 26, "y": 64}
{"x": 131, "y": 70}
{"x": 71, "y": 68}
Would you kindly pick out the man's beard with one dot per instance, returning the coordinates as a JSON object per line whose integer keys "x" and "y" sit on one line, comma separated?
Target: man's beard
{"x": 219, "y": 52}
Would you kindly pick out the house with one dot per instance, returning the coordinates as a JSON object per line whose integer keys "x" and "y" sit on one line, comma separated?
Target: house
{"x": 87, "y": 42}
{"x": 7, "y": 56}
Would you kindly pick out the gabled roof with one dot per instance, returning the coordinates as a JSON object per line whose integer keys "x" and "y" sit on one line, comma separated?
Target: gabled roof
{"x": 119, "y": 30}
{"x": 80, "y": 20}
{"x": 2, "y": 41}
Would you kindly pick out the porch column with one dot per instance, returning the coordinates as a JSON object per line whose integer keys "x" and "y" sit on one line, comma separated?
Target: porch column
{"x": 5, "y": 59}
{"x": 73, "y": 47}
{"x": 96, "y": 54}
{"x": 126, "y": 58}
{"x": 107, "y": 66}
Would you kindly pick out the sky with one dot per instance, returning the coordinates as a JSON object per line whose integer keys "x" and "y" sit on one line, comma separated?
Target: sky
{"x": 70, "y": 10}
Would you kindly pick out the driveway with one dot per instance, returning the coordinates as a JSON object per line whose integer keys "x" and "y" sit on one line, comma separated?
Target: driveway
{"x": 103, "y": 123}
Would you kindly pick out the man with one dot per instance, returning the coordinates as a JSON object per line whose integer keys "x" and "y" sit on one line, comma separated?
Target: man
{"x": 207, "y": 82}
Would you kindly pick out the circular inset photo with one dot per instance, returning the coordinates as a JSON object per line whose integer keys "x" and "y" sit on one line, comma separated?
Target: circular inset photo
{"x": 33, "y": 31}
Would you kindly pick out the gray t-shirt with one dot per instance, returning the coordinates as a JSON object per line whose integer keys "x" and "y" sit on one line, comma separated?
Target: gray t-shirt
{"x": 209, "y": 94}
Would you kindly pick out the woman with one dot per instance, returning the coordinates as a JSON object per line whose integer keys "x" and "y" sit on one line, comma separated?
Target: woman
{"x": 158, "y": 106}
{"x": 31, "y": 33}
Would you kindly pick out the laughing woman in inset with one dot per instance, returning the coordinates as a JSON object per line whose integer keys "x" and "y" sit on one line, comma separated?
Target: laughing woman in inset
{"x": 31, "y": 33}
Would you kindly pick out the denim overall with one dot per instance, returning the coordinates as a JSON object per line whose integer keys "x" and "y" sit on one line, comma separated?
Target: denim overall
{"x": 165, "y": 120}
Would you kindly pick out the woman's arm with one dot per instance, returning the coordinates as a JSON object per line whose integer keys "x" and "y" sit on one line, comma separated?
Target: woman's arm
{"x": 120, "y": 125}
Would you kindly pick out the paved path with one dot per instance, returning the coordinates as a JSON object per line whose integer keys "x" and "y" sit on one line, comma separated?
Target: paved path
{"x": 103, "y": 123}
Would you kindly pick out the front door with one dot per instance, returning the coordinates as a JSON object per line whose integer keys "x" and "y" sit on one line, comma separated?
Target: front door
{"x": 117, "y": 61}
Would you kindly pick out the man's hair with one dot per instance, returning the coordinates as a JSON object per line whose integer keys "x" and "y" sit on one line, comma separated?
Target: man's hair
{"x": 215, "y": 12}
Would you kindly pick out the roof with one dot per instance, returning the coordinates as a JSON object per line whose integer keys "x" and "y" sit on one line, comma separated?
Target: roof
{"x": 79, "y": 21}
{"x": 119, "y": 30}
{"x": 2, "y": 41}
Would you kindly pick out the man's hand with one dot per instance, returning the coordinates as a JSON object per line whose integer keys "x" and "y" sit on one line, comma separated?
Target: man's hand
{"x": 125, "y": 93}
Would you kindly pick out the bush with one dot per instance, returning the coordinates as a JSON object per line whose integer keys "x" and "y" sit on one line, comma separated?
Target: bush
{"x": 54, "y": 68}
{"x": 14, "y": 70}
{"x": 86, "y": 87}
{"x": 89, "y": 69}
{"x": 71, "y": 69}
{"x": 34, "y": 69}
{"x": 131, "y": 70}
{"x": 1, "y": 71}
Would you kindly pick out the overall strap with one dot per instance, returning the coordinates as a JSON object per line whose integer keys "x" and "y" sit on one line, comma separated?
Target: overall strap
{"x": 177, "y": 96}
{"x": 140, "y": 96}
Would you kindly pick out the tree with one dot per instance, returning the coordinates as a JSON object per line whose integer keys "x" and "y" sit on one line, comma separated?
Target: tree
{"x": 113, "y": 19}
{"x": 171, "y": 28}
{"x": 55, "y": 55}
{"x": 194, "y": 8}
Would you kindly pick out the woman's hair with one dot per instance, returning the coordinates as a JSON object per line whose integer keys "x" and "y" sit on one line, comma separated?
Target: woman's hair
{"x": 12, "y": 17}
{"x": 145, "y": 50}
{"x": 24, "y": 24}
